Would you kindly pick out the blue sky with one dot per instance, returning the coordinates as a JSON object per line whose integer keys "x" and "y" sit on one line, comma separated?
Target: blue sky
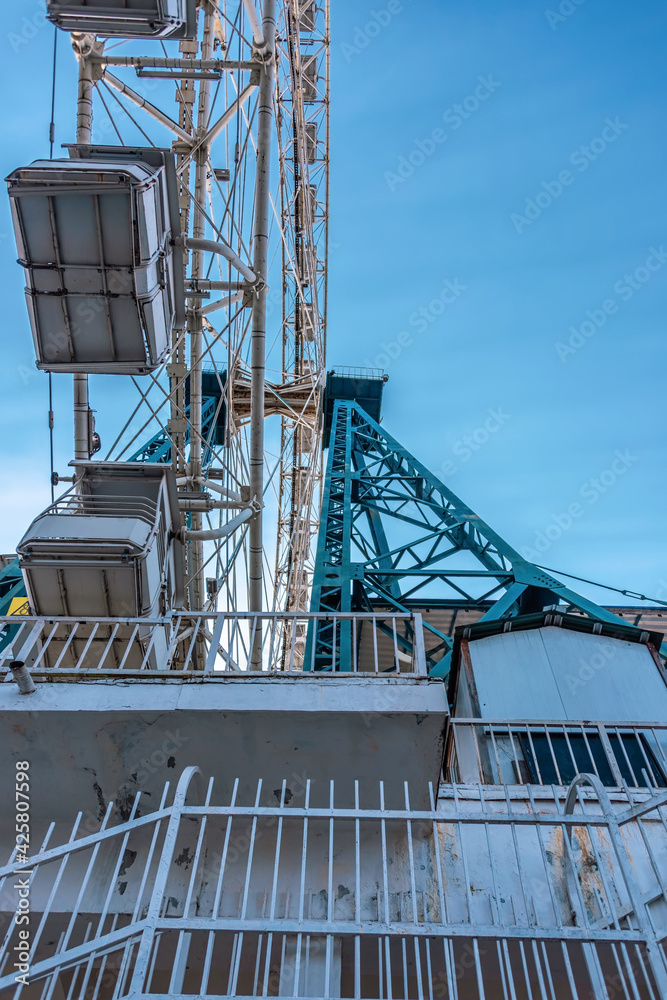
{"x": 497, "y": 218}
{"x": 564, "y": 414}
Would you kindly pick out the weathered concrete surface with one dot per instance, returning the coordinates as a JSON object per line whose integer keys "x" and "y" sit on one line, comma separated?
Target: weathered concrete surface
{"x": 91, "y": 742}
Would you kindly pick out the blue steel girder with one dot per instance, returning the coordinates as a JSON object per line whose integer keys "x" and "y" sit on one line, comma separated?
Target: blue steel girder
{"x": 377, "y": 532}
{"x": 460, "y": 529}
{"x": 371, "y": 482}
{"x": 158, "y": 448}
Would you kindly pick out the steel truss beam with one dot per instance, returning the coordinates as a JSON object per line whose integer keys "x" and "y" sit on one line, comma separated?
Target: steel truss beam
{"x": 303, "y": 127}
{"x": 392, "y": 534}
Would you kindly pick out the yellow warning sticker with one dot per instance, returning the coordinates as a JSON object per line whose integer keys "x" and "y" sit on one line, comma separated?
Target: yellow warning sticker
{"x": 19, "y": 606}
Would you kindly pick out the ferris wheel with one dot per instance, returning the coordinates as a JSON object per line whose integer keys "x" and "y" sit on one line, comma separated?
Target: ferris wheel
{"x": 181, "y": 246}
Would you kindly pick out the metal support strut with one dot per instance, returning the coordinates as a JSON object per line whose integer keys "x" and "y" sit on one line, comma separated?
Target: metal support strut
{"x": 260, "y": 250}
{"x": 83, "y": 47}
{"x": 195, "y": 318}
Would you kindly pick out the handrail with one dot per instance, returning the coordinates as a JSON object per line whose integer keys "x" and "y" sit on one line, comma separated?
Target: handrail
{"x": 215, "y": 643}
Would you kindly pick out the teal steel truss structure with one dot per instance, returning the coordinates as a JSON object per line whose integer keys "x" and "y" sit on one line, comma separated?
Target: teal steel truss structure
{"x": 394, "y": 538}
{"x": 159, "y": 447}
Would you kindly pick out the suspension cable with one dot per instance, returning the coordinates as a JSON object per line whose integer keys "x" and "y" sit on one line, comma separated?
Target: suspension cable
{"x": 52, "y": 124}
{"x": 605, "y": 586}
{"x": 52, "y": 138}
{"x": 51, "y": 436}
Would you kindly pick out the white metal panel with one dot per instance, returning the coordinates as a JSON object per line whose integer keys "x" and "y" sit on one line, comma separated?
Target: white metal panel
{"x": 105, "y": 588}
{"x": 605, "y": 678}
{"x": 514, "y": 678}
{"x": 311, "y": 141}
{"x": 556, "y": 673}
{"x": 125, "y": 18}
{"x": 94, "y": 239}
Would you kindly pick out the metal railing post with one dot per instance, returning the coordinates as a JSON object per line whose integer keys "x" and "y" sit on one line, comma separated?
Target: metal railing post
{"x": 419, "y": 650}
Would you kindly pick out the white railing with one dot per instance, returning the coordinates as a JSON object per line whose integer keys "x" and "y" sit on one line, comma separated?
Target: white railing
{"x": 218, "y": 643}
{"x": 530, "y": 752}
{"x": 231, "y": 890}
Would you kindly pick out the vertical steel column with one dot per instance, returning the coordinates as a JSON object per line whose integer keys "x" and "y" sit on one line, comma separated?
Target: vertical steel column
{"x": 195, "y": 317}
{"x": 330, "y": 643}
{"x": 177, "y": 367}
{"x": 83, "y": 44}
{"x": 258, "y": 353}
{"x": 303, "y": 133}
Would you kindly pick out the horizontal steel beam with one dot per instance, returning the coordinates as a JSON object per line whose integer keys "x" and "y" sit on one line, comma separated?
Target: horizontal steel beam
{"x": 212, "y": 615}
{"x": 435, "y": 571}
{"x": 157, "y": 62}
{"x": 410, "y": 815}
{"x": 141, "y": 102}
{"x": 398, "y": 929}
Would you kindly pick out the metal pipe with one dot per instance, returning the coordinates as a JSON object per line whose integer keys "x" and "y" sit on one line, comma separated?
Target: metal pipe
{"x": 221, "y": 532}
{"x": 208, "y": 485}
{"x": 222, "y": 303}
{"x": 83, "y": 46}
{"x": 21, "y": 675}
{"x": 258, "y": 35}
{"x": 81, "y": 419}
{"x": 258, "y": 342}
{"x": 222, "y": 248}
{"x": 160, "y": 62}
{"x": 195, "y": 317}
{"x": 227, "y": 116}
{"x": 141, "y": 102}
{"x": 205, "y": 285}
{"x": 222, "y": 490}
{"x": 205, "y": 505}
